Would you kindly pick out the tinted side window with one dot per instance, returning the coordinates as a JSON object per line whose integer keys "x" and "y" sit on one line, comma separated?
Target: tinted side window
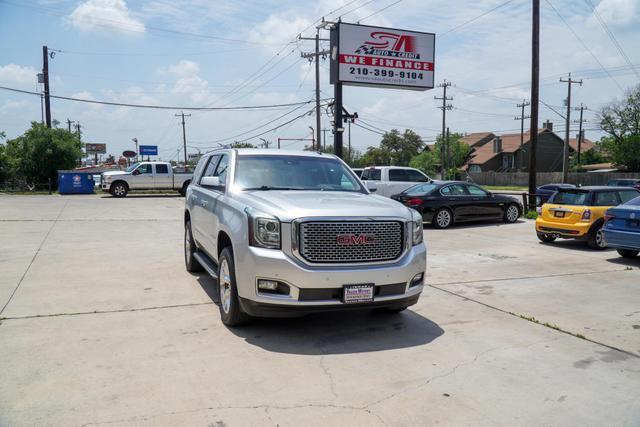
{"x": 162, "y": 169}
{"x": 371, "y": 174}
{"x": 476, "y": 191}
{"x": 398, "y": 175}
{"x": 453, "y": 190}
{"x": 221, "y": 170}
{"x": 415, "y": 176}
{"x": 625, "y": 196}
{"x": 146, "y": 168}
{"x": 607, "y": 198}
{"x": 211, "y": 166}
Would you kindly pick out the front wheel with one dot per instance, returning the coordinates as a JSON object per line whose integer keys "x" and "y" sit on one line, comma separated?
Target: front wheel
{"x": 596, "y": 239}
{"x": 230, "y": 311}
{"x": 192, "y": 265}
{"x": 628, "y": 253}
{"x": 119, "y": 189}
{"x": 511, "y": 214}
{"x": 442, "y": 218}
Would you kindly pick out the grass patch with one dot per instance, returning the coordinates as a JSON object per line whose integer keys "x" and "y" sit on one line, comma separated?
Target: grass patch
{"x": 531, "y": 215}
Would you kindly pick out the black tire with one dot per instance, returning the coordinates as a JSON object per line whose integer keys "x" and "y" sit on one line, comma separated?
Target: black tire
{"x": 546, "y": 238}
{"x": 119, "y": 189}
{"x": 183, "y": 190}
{"x": 442, "y": 218}
{"x": 192, "y": 264}
{"x": 511, "y": 213}
{"x": 596, "y": 238}
{"x": 231, "y": 312}
{"x": 628, "y": 253}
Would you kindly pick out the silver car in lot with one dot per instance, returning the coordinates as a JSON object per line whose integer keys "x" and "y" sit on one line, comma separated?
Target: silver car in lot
{"x": 289, "y": 232}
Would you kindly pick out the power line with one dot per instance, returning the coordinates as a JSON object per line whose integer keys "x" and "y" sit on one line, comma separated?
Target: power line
{"x": 584, "y": 45}
{"x": 160, "y": 107}
{"x": 457, "y": 27}
{"x": 379, "y": 10}
{"x": 613, "y": 39}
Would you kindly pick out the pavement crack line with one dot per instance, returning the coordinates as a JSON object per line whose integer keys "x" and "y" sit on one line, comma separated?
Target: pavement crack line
{"x": 35, "y": 255}
{"x": 546, "y": 325}
{"x": 122, "y": 310}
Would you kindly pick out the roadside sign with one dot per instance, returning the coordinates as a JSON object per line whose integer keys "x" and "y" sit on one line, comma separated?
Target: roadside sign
{"x": 362, "y": 55}
{"x": 149, "y": 150}
{"x": 129, "y": 154}
{"x": 95, "y": 148}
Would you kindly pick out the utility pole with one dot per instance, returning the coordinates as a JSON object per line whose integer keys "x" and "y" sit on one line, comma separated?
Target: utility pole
{"x": 69, "y": 124}
{"x": 311, "y": 56}
{"x": 45, "y": 74}
{"x": 324, "y": 139}
{"x": 522, "y": 118}
{"x": 184, "y": 136}
{"x": 535, "y": 93}
{"x": 443, "y": 150}
{"x": 565, "y": 151}
{"x": 580, "y": 131}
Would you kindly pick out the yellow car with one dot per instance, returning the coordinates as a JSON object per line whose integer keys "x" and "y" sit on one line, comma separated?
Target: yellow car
{"x": 578, "y": 213}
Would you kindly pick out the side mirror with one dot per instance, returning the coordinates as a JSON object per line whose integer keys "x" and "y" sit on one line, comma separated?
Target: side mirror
{"x": 211, "y": 181}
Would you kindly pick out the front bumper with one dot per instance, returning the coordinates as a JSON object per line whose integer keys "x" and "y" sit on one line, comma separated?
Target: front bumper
{"x": 564, "y": 230}
{"x": 319, "y": 288}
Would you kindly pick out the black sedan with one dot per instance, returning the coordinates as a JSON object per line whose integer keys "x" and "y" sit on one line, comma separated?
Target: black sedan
{"x": 444, "y": 202}
{"x": 544, "y": 192}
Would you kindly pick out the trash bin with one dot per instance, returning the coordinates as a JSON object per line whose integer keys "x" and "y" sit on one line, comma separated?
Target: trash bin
{"x": 75, "y": 182}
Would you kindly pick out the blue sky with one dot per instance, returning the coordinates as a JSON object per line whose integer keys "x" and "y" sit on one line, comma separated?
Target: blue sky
{"x": 138, "y": 52}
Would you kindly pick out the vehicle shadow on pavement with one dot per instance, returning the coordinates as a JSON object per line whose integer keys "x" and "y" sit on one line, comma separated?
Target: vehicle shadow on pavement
{"x": 627, "y": 262}
{"x": 471, "y": 224}
{"x": 576, "y": 245}
{"x": 146, "y": 196}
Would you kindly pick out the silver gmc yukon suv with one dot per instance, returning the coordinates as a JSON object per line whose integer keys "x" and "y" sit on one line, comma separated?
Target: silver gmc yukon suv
{"x": 288, "y": 233}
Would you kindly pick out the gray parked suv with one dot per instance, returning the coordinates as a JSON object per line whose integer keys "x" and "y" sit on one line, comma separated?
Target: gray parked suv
{"x": 293, "y": 232}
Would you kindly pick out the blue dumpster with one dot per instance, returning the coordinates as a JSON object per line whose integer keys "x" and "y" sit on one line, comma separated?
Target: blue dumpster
{"x": 75, "y": 182}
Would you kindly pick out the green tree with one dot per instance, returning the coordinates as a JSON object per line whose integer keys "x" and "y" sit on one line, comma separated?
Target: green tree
{"x": 401, "y": 147}
{"x": 38, "y": 154}
{"x": 4, "y": 160}
{"x": 430, "y": 161}
{"x": 242, "y": 145}
{"x": 621, "y": 122}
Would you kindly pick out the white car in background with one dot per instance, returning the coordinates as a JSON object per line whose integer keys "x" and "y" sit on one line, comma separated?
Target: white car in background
{"x": 389, "y": 180}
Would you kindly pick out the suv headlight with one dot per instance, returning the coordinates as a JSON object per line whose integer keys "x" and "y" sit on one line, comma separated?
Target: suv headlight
{"x": 264, "y": 231}
{"x": 416, "y": 227}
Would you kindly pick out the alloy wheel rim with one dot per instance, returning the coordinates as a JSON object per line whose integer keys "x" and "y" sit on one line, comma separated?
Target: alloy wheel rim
{"x": 600, "y": 238}
{"x": 512, "y": 213}
{"x": 443, "y": 218}
{"x": 225, "y": 286}
{"x": 119, "y": 190}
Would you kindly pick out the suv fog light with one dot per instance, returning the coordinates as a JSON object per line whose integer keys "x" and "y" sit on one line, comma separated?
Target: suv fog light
{"x": 273, "y": 287}
{"x": 417, "y": 280}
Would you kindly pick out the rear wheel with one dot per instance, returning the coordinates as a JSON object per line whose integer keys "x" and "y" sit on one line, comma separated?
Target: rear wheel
{"x": 596, "y": 239}
{"x": 511, "y": 214}
{"x": 442, "y": 218}
{"x": 546, "y": 238}
{"x": 190, "y": 262}
{"x": 628, "y": 253}
{"x": 230, "y": 311}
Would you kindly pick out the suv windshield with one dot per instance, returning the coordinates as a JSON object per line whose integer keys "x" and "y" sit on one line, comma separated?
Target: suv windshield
{"x": 275, "y": 172}
{"x": 568, "y": 197}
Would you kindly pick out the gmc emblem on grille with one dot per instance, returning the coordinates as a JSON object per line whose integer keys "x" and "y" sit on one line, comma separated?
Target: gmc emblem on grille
{"x": 355, "y": 239}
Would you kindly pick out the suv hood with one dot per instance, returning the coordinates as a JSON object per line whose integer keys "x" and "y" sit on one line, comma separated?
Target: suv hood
{"x": 290, "y": 205}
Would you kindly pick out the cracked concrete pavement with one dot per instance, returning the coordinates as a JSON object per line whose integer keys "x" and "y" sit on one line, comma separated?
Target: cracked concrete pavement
{"x": 106, "y": 327}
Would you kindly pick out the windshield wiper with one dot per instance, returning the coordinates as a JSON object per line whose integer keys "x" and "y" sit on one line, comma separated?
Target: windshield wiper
{"x": 267, "y": 188}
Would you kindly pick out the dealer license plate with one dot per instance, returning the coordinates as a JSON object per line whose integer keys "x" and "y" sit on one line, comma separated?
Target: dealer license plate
{"x": 358, "y": 293}
{"x": 559, "y": 214}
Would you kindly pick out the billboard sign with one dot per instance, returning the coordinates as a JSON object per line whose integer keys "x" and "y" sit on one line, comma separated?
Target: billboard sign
{"x": 95, "y": 148}
{"x": 362, "y": 55}
{"x": 148, "y": 150}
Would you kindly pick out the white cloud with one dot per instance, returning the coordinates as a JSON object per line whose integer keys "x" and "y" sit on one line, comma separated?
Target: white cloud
{"x": 13, "y": 73}
{"x": 183, "y": 68}
{"x": 278, "y": 30}
{"x": 105, "y": 15}
{"x": 618, "y": 13}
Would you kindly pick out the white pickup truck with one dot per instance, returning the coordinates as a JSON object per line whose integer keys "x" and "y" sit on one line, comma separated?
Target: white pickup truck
{"x": 144, "y": 176}
{"x": 389, "y": 180}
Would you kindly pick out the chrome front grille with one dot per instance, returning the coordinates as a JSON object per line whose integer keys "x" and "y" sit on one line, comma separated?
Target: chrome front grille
{"x": 343, "y": 242}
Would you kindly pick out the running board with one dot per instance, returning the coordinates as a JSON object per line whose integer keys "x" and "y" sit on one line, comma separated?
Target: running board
{"x": 207, "y": 264}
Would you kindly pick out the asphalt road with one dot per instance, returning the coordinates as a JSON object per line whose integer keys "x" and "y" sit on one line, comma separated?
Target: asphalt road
{"x": 101, "y": 324}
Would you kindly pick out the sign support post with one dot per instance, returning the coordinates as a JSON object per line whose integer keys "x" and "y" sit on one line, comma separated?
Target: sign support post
{"x": 337, "y": 119}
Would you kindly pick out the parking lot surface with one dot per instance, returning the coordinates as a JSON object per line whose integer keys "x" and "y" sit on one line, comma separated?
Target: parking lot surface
{"x": 102, "y": 325}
